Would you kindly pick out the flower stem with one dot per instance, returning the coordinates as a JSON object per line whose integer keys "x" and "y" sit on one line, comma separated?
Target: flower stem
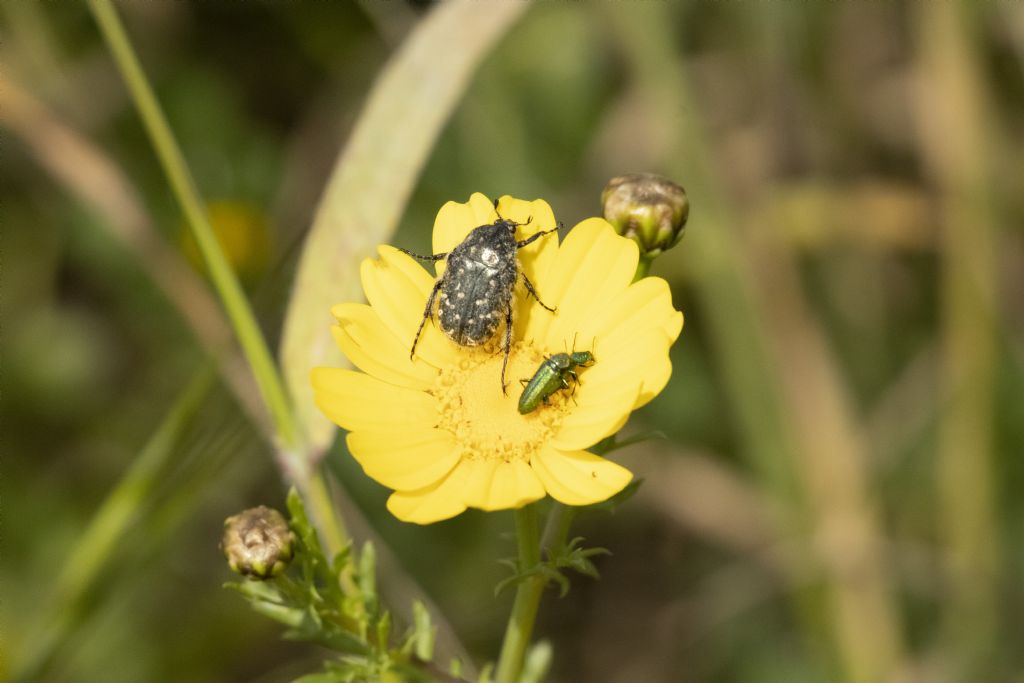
{"x": 556, "y": 528}
{"x": 528, "y": 593}
{"x": 643, "y": 267}
{"x": 530, "y": 589}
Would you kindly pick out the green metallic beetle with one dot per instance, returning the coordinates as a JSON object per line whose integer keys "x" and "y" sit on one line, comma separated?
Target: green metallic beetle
{"x": 551, "y": 376}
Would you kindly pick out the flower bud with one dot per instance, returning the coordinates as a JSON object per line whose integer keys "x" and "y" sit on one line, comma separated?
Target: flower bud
{"x": 258, "y": 542}
{"x": 648, "y": 209}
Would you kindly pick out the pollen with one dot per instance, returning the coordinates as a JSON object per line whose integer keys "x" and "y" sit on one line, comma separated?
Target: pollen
{"x": 487, "y": 423}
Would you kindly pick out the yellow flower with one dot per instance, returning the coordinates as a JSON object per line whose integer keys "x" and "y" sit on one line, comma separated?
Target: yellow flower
{"x": 244, "y": 235}
{"x": 438, "y": 430}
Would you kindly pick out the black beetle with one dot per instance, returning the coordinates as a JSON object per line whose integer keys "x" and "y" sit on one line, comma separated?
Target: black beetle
{"x": 476, "y": 287}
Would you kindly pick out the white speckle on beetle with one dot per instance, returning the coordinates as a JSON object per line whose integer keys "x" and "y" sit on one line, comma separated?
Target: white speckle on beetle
{"x": 483, "y": 265}
{"x": 489, "y": 257}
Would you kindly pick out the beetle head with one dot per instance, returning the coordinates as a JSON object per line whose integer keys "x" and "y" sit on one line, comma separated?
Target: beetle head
{"x": 508, "y": 225}
{"x": 583, "y": 358}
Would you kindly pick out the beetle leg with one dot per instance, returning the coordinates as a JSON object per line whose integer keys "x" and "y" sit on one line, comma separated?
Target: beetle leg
{"x": 506, "y": 345}
{"x": 426, "y": 314}
{"x": 432, "y": 257}
{"x": 522, "y": 243}
{"x": 531, "y": 290}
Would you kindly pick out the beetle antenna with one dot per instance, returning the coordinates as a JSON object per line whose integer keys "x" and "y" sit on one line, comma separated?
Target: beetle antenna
{"x": 509, "y": 220}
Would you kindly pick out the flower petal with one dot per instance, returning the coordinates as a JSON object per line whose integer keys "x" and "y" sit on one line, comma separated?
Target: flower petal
{"x": 533, "y": 217}
{"x": 602, "y": 267}
{"x": 356, "y": 401}
{"x": 644, "y": 304}
{"x": 655, "y": 377}
{"x": 592, "y": 266}
{"x": 643, "y": 359}
{"x": 597, "y": 415}
{"x": 375, "y": 350}
{"x": 535, "y": 259}
{"x": 407, "y": 460}
{"x": 454, "y": 221}
{"x": 638, "y": 326}
{"x": 397, "y": 289}
{"x": 434, "y": 503}
{"x": 494, "y": 484}
{"x": 578, "y": 477}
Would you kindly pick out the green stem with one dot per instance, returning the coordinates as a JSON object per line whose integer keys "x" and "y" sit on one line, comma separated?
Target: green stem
{"x": 556, "y": 529}
{"x": 556, "y": 533}
{"x": 643, "y": 267}
{"x": 967, "y": 460}
{"x": 331, "y": 526}
{"x": 173, "y": 162}
{"x": 528, "y": 594}
{"x": 293, "y": 450}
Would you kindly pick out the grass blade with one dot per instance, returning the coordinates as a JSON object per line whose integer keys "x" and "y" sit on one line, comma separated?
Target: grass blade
{"x": 374, "y": 176}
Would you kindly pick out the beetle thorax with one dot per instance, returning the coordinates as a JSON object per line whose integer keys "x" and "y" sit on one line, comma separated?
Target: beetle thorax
{"x": 478, "y": 280}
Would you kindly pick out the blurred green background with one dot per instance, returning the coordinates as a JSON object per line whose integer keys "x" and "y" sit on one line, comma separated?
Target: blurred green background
{"x": 838, "y": 496}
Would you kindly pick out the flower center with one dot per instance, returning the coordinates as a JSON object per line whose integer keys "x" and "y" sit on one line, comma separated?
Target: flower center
{"x": 486, "y": 423}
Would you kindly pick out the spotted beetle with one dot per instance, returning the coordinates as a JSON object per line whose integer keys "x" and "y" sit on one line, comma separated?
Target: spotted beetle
{"x": 475, "y": 290}
{"x": 551, "y": 376}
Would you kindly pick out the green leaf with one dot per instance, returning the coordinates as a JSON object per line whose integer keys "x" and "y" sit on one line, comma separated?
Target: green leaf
{"x": 486, "y": 673}
{"x": 300, "y": 523}
{"x": 383, "y": 631}
{"x": 455, "y": 667}
{"x": 368, "y": 574}
{"x": 333, "y": 639}
{"x": 373, "y": 178}
{"x": 559, "y": 578}
{"x": 423, "y": 632}
{"x": 257, "y": 590}
{"x": 505, "y": 583}
{"x": 611, "y": 443}
{"x": 289, "y": 616}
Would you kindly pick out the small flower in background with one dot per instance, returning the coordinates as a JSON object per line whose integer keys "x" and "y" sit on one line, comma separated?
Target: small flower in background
{"x": 438, "y": 429}
{"x": 648, "y": 209}
{"x": 244, "y": 234}
{"x": 258, "y": 542}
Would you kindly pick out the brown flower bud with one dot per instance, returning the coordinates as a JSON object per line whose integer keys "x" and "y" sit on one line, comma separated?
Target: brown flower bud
{"x": 258, "y": 542}
{"x": 648, "y": 209}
